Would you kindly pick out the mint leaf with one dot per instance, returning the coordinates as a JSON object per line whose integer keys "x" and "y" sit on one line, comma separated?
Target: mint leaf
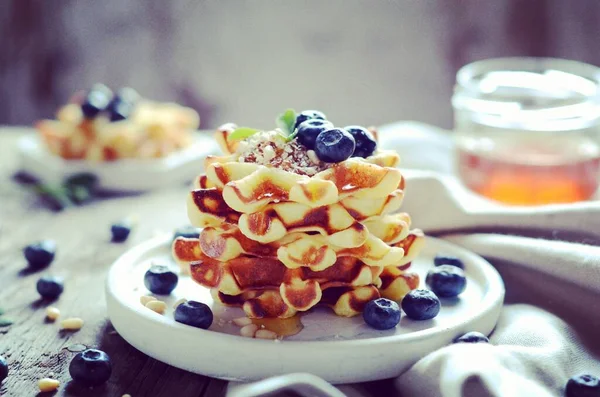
{"x": 286, "y": 122}
{"x": 5, "y": 322}
{"x": 242, "y": 133}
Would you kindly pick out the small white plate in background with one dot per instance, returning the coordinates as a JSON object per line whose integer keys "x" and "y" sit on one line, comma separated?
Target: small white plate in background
{"x": 127, "y": 175}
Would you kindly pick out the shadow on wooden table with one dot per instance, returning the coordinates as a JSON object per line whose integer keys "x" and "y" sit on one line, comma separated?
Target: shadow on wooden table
{"x": 139, "y": 375}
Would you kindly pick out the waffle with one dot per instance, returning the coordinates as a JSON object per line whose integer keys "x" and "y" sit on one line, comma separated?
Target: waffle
{"x": 294, "y": 250}
{"x": 152, "y": 130}
{"x": 281, "y": 237}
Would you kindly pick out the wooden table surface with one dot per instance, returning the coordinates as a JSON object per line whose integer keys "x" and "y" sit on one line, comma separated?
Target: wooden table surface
{"x": 36, "y": 349}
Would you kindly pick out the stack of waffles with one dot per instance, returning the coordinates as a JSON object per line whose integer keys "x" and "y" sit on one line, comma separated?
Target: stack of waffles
{"x": 277, "y": 242}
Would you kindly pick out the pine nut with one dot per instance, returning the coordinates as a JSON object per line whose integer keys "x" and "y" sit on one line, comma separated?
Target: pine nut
{"x": 242, "y": 321}
{"x": 72, "y": 324}
{"x": 157, "y": 306}
{"x": 248, "y": 330}
{"x": 52, "y": 313}
{"x": 265, "y": 334}
{"x": 145, "y": 299}
{"x": 179, "y": 302}
{"x": 48, "y": 384}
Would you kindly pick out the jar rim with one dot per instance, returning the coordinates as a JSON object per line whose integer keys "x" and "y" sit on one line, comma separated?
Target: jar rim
{"x": 581, "y": 114}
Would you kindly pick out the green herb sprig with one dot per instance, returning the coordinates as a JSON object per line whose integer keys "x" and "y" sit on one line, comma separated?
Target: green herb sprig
{"x": 75, "y": 190}
{"x": 284, "y": 121}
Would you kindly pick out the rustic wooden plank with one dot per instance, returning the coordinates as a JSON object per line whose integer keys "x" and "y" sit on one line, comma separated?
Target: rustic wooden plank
{"x": 36, "y": 348}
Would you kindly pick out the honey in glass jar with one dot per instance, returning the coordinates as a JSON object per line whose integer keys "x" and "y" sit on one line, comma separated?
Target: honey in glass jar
{"x": 527, "y": 129}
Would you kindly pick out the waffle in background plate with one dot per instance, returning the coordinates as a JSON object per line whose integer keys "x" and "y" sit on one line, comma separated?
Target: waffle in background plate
{"x": 285, "y": 231}
{"x": 100, "y": 126}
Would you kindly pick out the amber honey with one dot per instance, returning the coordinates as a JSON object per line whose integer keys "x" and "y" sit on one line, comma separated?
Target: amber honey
{"x": 504, "y": 179}
{"x": 281, "y": 326}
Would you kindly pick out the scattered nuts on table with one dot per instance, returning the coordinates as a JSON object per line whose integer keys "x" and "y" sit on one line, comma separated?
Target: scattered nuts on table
{"x": 52, "y": 313}
{"x": 157, "y": 306}
{"x": 72, "y": 324}
{"x": 248, "y": 330}
{"x": 242, "y": 321}
{"x": 47, "y": 384}
{"x": 265, "y": 334}
{"x": 146, "y": 298}
{"x": 179, "y": 302}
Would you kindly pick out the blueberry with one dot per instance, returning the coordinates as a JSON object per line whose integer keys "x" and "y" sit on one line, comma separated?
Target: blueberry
{"x": 186, "y": 232}
{"x": 583, "y": 386}
{"x": 40, "y": 254}
{"x": 91, "y": 367}
{"x": 334, "y": 145}
{"x": 120, "y": 231}
{"x": 308, "y": 115}
{"x": 120, "y": 111}
{"x": 472, "y": 337}
{"x": 365, "y": 143}
{"x": 3, "y": 369}
{"x": 194, "y": 313}
{"x": 382, "y": 314}
{"x": 96, "y": 101}
{"x": 310, "y": 129}
{"x": 446, "y": 281}
{"x": 440, "y": 260}
{"x": 122, "y": 104}
{"x": 50, "y": 287}
{"x": 421, "y": 304}
{"x": 160, "y": 280}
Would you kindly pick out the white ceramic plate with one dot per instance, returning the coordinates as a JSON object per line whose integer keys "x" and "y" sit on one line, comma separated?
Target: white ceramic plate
{"x": 127, "y": 175}
{"x": 339, "y": 350}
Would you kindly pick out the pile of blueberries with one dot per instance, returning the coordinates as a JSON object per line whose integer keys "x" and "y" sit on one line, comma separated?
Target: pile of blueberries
{"x": 100, "y": 99}
{"x": 332, "y": 145}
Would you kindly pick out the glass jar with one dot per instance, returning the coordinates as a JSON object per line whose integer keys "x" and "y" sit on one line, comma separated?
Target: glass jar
{"x": 527, "y": 129}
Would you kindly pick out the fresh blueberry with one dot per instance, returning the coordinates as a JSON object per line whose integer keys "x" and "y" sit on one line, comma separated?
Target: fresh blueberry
{"x": 91, "y": 367}
{"x": 96, "y": 101}
{"x": 382, "y": 313}
{"x": 440, "y": 260}
{"x": 120, "y": 231}
{"x": 40, "y": 254}
{"x": 50, "y": 287}
{"x": 122, "y": 104}
{"x": 3, "y": 369}
{"x": 160, "y": 280}
{"x": 421, "y": 304}
{"x": 120, "y": 111}
{"x": 583, "y": 386}
{"x": 472, "y": 337}
{"x": 186, "y": 232}
{"x": 334, "y": 145}
{"x": 446, "y": 281}
{"x": 365, "y": 143}
{"x": 308, "y": 115}
{"x": 194, "y": 313}
{"x": 310, "y": 129}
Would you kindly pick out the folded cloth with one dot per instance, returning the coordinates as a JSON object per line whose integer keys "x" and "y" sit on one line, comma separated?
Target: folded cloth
{"x": 549, "y": 259}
